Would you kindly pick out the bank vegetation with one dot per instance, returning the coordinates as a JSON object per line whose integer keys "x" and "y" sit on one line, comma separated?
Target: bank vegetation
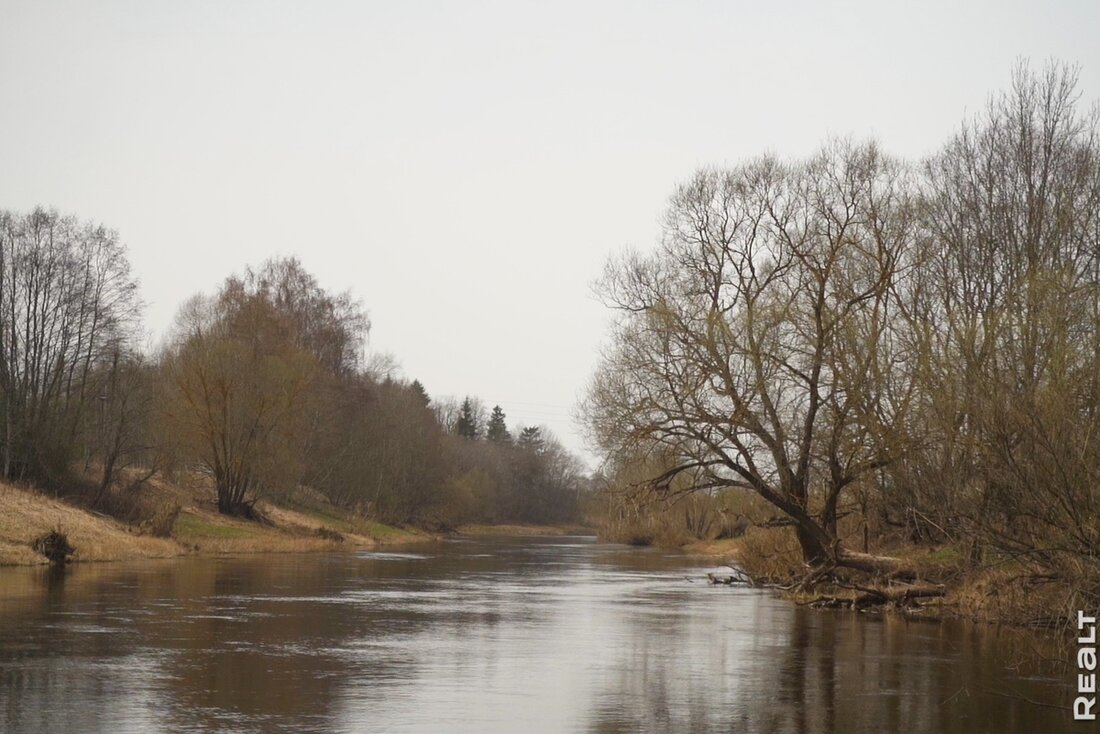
{"x": 260, "y": 401}
{"x": 881, "y": 377}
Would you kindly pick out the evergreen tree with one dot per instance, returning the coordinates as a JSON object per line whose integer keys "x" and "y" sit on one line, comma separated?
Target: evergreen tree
{"x": 498, "y": 428}
{"x": 467, "y": 426}
{"x": 530, "y": 438}
{"x": 421, "y": 394}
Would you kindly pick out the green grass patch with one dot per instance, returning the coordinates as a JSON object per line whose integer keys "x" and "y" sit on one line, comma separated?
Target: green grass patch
{"x": 937, "y": 563}
{"x": 358, "y": 526}
{"x": 946, "y": 556}
{"x": 382, "y": 532}
{"x": 335, "y": 522}
{"x": 195, "y": 527}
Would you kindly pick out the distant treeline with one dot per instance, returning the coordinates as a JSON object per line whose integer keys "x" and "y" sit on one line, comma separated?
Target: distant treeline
{"x": 261, "y": 388}
{"x": 874, "y": 349}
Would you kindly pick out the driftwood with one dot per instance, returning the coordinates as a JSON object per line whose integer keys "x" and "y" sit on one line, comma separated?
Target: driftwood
{"x": 893, "y": 568}
{"x": 899, "y": 596}
{"x": 883, "y": 581}
{"x": 728, "y": 579}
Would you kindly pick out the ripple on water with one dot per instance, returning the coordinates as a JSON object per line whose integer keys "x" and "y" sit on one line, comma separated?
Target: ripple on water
{"x": 493, "y": 635}
{"x": 392, "y": 556}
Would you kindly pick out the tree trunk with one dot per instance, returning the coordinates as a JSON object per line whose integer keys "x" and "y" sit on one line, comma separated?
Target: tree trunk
{"x": 820, "y": 548}
{"x": 817, "y": 544}
{"x": 877, "y": 565}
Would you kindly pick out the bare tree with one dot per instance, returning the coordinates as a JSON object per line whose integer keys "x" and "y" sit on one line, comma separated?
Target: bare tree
{"x": 1010, "y": 297}
{"x": 67, "y": 304}
{"x": 255, "y": 376}
{"x": 330, "y": 326}
{"x": 122, "y": 434}
{"x": 236, "y": 401}
{"x": 755, "y": 345}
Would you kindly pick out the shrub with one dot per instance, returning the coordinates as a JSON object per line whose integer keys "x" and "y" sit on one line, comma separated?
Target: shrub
{"x": 54, "y": 545}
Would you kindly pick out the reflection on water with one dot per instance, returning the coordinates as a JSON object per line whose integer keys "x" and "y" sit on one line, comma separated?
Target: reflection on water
{"x": 486, "y": 635}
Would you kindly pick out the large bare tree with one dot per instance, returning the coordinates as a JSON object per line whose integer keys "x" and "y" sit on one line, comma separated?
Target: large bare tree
{"x": 1010, "y": 300}
{"x": 68, "y": 307}
{"x": 248, "y": 374}
{"x": 755, "y": 347}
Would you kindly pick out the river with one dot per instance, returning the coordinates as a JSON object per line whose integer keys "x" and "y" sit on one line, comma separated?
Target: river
{"x": 485, "y": 635}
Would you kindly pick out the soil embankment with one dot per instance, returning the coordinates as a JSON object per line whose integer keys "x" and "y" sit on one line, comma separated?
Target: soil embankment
{"x": 197, "y": 529}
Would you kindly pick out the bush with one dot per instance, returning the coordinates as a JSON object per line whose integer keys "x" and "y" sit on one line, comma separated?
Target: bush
{"x": 770, "y": 554}
{"x": 328, "y": 534}
{"x": 162, "y": 522}
{"x": 54, "y": 545}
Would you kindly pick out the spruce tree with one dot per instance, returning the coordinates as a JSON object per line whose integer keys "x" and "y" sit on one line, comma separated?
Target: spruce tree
{"x": 467, "y": 426}
{"x": 417, "y": 388}
{"x": 498, "y": 428}
{"x": 530, "y": 438}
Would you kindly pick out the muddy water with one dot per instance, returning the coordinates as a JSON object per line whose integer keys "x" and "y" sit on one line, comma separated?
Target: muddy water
{"x": 495, "y": 635}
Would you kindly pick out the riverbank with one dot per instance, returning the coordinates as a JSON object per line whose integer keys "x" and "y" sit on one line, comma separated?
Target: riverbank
{"x": 196, "y": 528}
{"x": 524, "y": 530}
{"x": 1003, "y": 592}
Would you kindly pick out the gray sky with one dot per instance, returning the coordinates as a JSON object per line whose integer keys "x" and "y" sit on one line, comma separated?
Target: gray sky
{"x": 465, "y": 168}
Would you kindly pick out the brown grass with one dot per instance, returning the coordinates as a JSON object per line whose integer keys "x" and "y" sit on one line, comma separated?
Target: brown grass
{"x": 726, "y": 550}
{"x": 771, "y": 554}
{"x": 25, "y": 515}
{"x": 188, "y": 516}
{"x": 1011, "y": 594}
{"x": 643, "y": 530}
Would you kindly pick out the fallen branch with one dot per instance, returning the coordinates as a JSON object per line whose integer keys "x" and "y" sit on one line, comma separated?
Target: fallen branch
{"x": 728, "y": 579}
{"x": 888, "y": 566}
{"x": 871, "y": 596}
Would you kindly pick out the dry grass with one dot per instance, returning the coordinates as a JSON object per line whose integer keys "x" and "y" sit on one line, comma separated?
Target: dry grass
{"x": 1011, "y": 594}
{"x": 191, "y": 520}
{"x": 688, "y": 521}
{"x": 771, "y": 554}
{"x": 645, "y": 530}
{"x": 26, "y": 515}
{"x": 289, "y": 531}
{"x": 726, "y": 550}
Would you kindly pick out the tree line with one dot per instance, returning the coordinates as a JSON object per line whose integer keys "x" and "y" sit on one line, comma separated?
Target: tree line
{"x": 260, "y": 390}
{"x": 910, "y": 347}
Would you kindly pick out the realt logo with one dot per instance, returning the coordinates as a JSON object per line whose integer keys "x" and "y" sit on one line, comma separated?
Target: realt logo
{"x": 1086, "y": 666}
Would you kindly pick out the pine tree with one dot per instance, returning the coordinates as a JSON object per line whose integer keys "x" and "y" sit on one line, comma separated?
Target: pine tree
{"x": 498, "y": 428}
{"x": 467, "y": 426}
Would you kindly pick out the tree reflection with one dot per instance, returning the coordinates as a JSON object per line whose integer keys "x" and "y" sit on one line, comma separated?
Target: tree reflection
{"x": 493, "y": 636}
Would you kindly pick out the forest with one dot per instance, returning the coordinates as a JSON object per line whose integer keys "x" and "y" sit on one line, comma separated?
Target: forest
{"x": 260, "y": 391}
{"x": 872, "y": 368}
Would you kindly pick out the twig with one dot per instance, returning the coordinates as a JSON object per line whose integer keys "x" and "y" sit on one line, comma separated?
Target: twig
{"x": 1019, "y": 697}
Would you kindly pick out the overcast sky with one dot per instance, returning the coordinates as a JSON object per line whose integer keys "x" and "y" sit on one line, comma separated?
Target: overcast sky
{"x": 465, "y": 168}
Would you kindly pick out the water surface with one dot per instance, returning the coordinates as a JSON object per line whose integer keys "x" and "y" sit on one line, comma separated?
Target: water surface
{"x": 483, "y": 635}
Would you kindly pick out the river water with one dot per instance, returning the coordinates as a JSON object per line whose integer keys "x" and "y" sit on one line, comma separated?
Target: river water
{"x": 484, "y": 635}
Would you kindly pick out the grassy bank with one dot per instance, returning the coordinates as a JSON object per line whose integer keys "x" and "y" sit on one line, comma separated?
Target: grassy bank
{"x": 194, "y": 528}
{"x": 998, "y": 590}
